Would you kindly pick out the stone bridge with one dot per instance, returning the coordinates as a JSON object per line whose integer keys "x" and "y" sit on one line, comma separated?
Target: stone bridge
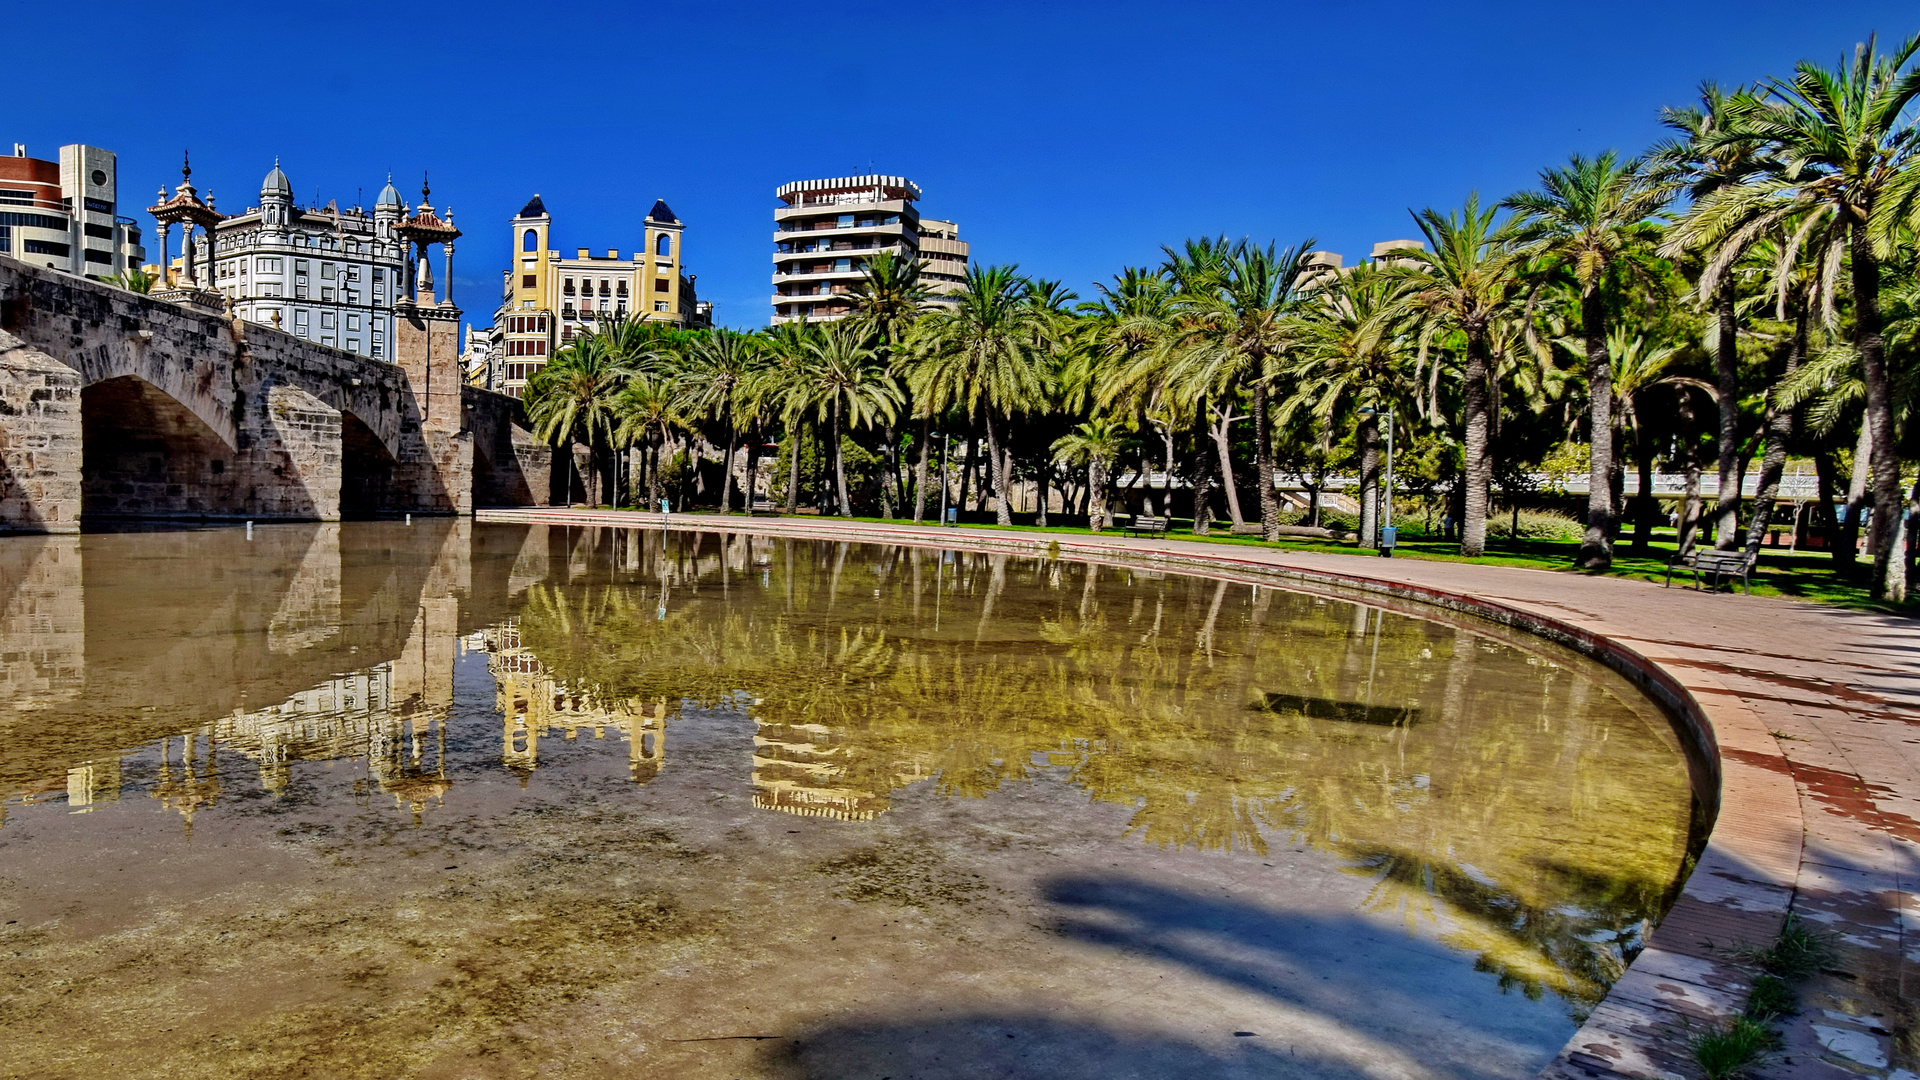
{"x": 118, "y": 406}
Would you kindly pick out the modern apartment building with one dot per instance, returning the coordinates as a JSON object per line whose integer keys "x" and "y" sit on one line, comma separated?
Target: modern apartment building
{"x": 65, "y": 214}
{"x": 825, "y": 230}
{"x": 322, "y": 273}
{"x": 549, "y": 299}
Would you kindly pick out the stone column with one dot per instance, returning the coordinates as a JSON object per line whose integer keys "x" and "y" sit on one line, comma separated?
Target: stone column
{"x": 186, "y": 254}
{"x": 166, "y": 255}
{"x": 448, "y": 249}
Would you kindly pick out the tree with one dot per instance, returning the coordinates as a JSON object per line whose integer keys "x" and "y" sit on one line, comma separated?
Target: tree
{"x": 1847, "y": 150}
{"x": 1097, "y": 444}
{"x": 1353, "y": 354}
{"x": 987, "y": 356}
{"x": 649, "y": 411}
{"x": 1233, "y": 323}
{"x": 1466, "y": 280}
{"x": 133, "y": 279}
{"x": 1593, "y": 221}
{"x": 712, "y": 382}
{"x": 572, "y": 398}
{"x": 842, "y": 381}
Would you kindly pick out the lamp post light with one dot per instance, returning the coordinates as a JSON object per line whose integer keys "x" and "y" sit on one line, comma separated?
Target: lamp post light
{"x": 1388, "y": 534}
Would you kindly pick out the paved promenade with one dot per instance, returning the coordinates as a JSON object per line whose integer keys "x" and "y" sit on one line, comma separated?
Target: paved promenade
{"x": 1814, "y": 716}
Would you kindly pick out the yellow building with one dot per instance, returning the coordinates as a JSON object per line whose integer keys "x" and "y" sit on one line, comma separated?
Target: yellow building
{"x": 549, "y": 299}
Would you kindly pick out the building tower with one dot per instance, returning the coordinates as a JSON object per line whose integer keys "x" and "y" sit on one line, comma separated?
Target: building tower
{"x": 825, "y": 230}
{"x": 186, "y": 210}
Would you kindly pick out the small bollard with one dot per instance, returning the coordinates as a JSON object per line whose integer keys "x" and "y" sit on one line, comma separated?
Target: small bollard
{"x": 249, "y": 530}
{"x": 409, "y": 519}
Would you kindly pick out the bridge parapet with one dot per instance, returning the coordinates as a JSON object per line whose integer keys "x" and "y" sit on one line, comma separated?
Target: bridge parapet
{"x": 116, "y": 405}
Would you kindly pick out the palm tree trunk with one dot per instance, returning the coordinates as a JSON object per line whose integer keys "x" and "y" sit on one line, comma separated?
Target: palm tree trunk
{"x": 1263, "y": 465}
{"x": 1689, "y": 516}
{"x": 1646, "y": 507}
{"x": 1040, "y": 483}
{"x": 1857, "y": 485}
{"x": 793, "y": 471}
{"x": 920, "y": 472}
{"x": 1779, "y": 429}
{"x": 1479, "y": 462}
{"x": 966, "y": 468}
{"x": 1596, "y": 547}
{"x": 726, "y": 474}
{"x": 1203, "y": 482}
{"x": 1823, "y": 516}
{"x": 840, "y": 464}
{"x": 1726, "y": 362}
{"x": 1219, "y": 431}
{"x": 1096, "y": 493}
{"x": 753, "y": 466}
{"x": 1370, "y": 481}
{"x": 1882, "y": 454}
{"x": 653, "y": 473}
{"x": 1002, "y": 515}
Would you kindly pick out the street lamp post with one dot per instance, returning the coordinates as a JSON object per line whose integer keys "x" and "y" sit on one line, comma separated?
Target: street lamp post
{"x": 943, "y": 475}
{"x": 1388, "y": 534}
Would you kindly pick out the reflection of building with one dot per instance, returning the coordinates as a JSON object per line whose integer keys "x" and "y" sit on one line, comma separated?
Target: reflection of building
{"x": 533, "y": 704}
{"x": 807, "y": 769}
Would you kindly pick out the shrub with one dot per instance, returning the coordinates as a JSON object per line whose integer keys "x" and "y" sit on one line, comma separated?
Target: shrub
{"x": 1771, "y": 997}
{"x": 1536, "y": 525}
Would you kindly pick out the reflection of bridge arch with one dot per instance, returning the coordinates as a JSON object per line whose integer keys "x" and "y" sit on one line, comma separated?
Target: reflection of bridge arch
{"x": 144, "y": 453}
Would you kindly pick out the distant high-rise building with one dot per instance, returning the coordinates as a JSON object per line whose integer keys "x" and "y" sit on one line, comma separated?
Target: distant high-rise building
{"x": 65, "y": 214}
{"x": 550, "y": 299}
{"x": 825, "y": 230}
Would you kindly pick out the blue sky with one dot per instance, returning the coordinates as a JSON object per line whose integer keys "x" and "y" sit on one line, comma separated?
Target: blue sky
{"x": 1070, "y": 138}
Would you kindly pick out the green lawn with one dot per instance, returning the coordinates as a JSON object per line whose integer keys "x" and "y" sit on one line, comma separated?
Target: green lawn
{"x": 1806, "y": 575}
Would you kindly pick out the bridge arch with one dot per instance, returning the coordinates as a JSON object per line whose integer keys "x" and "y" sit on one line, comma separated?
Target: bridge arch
{"x": 145, "y": 454}
{"x": 366, "y": 470}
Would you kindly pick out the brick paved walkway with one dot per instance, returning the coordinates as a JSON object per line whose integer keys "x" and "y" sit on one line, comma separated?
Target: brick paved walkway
{"x": 1814, "y": 713}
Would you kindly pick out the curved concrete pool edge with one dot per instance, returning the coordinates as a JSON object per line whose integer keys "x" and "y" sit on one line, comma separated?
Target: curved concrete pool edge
{"x": 1748, "y": 873}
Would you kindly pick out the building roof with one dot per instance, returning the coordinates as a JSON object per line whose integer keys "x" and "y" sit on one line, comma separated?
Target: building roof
{"x": 907, "y": 188}
{"x": 534, "y": 208}
{"x": 662, "y": 212}
{"x": 276, "y": 182}
{"x": 388, "y": 195}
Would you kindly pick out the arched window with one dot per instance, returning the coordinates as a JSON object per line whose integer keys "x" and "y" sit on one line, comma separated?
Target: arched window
{"x": 663, "y": 247}
{"x": 530, "y": 241}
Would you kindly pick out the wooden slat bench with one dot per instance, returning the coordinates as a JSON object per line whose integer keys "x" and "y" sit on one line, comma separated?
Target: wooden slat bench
{"x": 1146, "y": 525}
{"x": 1716, "y": 565}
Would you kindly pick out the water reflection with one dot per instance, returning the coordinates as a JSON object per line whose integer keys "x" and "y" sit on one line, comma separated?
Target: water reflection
{"x": 1513, "y": 803}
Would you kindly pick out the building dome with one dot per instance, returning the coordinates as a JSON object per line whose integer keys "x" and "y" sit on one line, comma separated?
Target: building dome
{"x": 276, "y": 183}
{"x": 388, "y": 196}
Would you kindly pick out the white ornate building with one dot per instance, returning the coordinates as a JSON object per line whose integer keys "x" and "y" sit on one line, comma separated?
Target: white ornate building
{"x": 322, "y": 273}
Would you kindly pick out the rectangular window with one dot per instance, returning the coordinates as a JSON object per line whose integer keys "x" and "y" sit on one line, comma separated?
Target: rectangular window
{"x": 379, "y": 335}
{"x": 379, "y": 275}
{"x": 300, "y": 290}
{"x": 353, "y": 297}
{"x": 326, "y": 319}
{"x": 326, "y": 339}
{"x": 659, "y": 284}
{"x": 326, "y": 293}
{"x": 378, "y": 349}
{"x": 326, "y": 271}
{"x": 299, "y": 266}
{"x": 43, "y": 247}
{"x": 99, "y": 256}
{"x": 353, "y": 322}
{"x": 299, "y": 318}
{"x": 100, "y": 232}
{"x": 353, "y": 344}
{"x": 15, "y": 197}
{"x": 353, "y": 273}
{"x": 528, "y": 281}
{"x": 659, "y": 305}
{"x": 266, "y": 265}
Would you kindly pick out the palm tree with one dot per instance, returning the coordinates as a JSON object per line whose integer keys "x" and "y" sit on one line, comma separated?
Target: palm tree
{"x": 133, "y": 279}
{"x": 1466, "y": 280}
{"x": 712, "y": 381}
{"x": 986, "y": 355}
{"x": 842, "y": 382}
{"x": 886, "y": 300}
{"x": 1097, "y": 444}
{"x": 1233, "y": 323}
{"x": 1708, "y": 156}
{"x": 1354, "y": 351}
{"x": 1639, "y": 367}
{"x": 1592, "y": 219}
{"x": 778, "y": 384}
{"x": 649, "y": 411}
{"x": 572, "y": 398}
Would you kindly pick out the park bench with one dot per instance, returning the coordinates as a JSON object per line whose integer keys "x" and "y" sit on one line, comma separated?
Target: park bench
{"x": 1146, "y": 525}
{"x": 1717, "y": 565}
